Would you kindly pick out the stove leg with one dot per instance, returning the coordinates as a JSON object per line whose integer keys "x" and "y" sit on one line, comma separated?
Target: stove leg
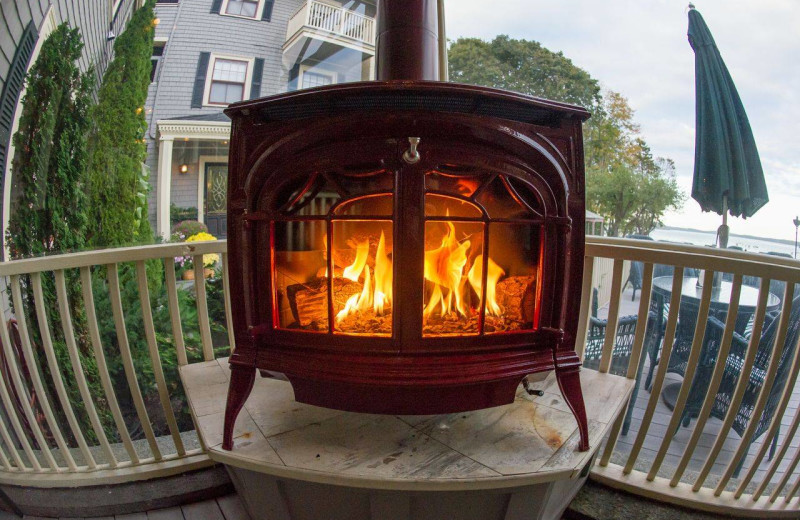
{"x": 570, "y": 384}
{"x": 242, "y": 379}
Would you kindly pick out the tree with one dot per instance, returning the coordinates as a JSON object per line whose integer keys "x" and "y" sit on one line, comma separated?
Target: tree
{"x": 48, "y": 170}
{"x": 49, "y": 174}
{"x": 625, "y": 184}
{"x": 117, "y": 183}
{"x": 630, "y": 188}
{"x": 523, "y": 66}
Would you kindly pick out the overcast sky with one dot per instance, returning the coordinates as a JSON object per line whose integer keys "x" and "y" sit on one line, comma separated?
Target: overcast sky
{"x": 639, "y": 48}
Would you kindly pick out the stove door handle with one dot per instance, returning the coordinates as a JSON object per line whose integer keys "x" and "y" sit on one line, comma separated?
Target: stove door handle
{"x": 411, "y": 156}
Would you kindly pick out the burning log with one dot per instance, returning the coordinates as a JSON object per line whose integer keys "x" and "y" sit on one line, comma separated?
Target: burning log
{"x": 309, "y": 301}
{"x": 517, "y": 296}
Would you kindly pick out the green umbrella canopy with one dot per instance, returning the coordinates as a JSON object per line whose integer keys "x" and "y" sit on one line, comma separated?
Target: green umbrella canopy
{"x": 726, "y": 162}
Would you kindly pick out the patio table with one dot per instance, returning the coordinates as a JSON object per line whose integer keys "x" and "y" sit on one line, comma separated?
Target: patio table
{"x": 511, "y": 462}
{"x": 690, "y": 304}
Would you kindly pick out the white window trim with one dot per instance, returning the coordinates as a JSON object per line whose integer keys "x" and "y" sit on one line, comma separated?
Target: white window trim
{"x": 316, "y": 70}
{"x": 248, "y": 79}
{"x": 259, "y": 11}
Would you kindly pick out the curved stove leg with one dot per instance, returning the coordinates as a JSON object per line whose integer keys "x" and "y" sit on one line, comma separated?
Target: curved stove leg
{"x": 242, "y": 379}
{"x": 570, "y": 384}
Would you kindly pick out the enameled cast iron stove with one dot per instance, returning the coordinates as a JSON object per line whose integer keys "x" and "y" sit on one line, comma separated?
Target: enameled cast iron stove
{"x": 405, "y": 246}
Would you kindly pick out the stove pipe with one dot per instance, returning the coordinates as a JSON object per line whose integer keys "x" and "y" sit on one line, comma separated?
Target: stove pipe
{"x": 407, "y": 43}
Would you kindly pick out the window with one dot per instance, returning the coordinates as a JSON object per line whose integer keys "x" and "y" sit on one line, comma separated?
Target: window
{"x": 315, "y": 79}
{"x": 158, "y": 54}
{"x": 244, "y": 8}
{"x": 228, "y": 80}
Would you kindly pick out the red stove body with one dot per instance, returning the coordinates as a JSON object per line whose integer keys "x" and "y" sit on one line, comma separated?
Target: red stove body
{"x": 405, "y": 246}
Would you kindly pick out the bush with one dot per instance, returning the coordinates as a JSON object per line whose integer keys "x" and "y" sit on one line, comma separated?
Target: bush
{"x": 178, "y": 214}
{"x": 183, "y": 230}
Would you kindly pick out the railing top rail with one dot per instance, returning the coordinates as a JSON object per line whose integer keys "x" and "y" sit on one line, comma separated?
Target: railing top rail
{"x": 110, "y": 256}
{"x": 720, "y": 260}
{"x": 756, "y": 264}
{"x": 354, "y": 14}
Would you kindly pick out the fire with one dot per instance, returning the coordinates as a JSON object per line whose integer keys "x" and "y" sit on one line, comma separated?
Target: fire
{"x": 444, "y": 267}
{"x": 377, "y": 291}
{"x": 453, "y": 278}
{"x": 383, "y": 278}
{"x": 494, "y": 273}
{"x": 353, "y": 271}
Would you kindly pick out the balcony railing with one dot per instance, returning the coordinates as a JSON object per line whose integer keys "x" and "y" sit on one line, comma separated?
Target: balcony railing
{"x": 335, "y": 21}
{"x": 90, "y": 392}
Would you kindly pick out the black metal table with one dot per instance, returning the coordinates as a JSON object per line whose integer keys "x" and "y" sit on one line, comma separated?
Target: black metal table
{"x": 690, "y": 304}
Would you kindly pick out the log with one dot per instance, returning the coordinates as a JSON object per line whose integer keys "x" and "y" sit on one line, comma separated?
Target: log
{"x": 517, "y": 296}
{"x": 309, "y": 301}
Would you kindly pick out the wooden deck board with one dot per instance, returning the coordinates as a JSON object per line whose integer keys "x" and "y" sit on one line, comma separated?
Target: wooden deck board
{"x": 208, "y": 510}
{"x": 232, "y": 508}
{"x": 170, "y": 513}
{"x": 229, "y": 507}
{"x": 131, "y": 516}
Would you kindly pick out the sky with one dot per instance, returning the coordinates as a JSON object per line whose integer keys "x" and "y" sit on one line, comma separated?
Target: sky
{"x": 639, "y": 48}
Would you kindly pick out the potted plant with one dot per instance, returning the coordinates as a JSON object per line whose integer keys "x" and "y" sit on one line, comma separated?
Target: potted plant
{"x": 192, "y": 231}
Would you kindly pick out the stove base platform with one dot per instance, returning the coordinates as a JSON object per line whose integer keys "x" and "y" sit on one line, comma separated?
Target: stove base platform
{"x": 292, "y": 461}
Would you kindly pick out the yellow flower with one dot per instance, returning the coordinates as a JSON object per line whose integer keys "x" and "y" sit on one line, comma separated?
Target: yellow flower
{"x": 208, "y": 260}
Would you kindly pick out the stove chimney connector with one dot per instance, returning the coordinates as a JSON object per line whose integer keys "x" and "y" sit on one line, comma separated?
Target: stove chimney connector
{"x": 407, "y": 42}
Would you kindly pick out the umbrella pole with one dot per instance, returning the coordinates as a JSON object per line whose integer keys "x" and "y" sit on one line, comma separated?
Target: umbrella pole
{"x": 722, "y": 232}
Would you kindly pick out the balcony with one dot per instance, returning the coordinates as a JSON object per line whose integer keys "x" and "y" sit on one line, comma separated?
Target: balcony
{"x": 325, "y": 22}
{"x": 106, "y": 407}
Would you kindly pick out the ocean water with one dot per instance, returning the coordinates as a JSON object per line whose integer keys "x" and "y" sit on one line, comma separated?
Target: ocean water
{"x": 707, "y": 238}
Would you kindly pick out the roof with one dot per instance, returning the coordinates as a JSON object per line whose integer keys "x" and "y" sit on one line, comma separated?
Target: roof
{"x": 591, "y": 215}
{"x": 217, "y": 117}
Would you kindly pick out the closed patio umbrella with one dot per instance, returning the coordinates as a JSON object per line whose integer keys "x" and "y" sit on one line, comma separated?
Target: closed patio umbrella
{"x": 728, "y": 177}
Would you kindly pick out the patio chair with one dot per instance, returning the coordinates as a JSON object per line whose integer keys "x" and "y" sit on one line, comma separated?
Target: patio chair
{"x": 657, "y": 323}
{"x": 756, "y": 381}
{"x": 621, "y": 354}
{"x": 634, "y": 278}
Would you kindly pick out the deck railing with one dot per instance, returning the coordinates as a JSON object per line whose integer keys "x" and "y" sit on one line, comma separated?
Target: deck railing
{"x": 687, "y": 458}
{"x": 90, "y": 393}
{"x": 85, "y": 398}
{"x": 335, "y": 20}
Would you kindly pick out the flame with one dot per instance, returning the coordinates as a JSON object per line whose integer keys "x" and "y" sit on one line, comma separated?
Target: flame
{"x": 353, "y": 271}
{"x": 444, "y": 267}
{"x": 383, "y": 278}
{"x": 357, "y": 302}
{"x": 377, "y": 292}
{"x": 447, "y": 268}
{"x": 494, "y": 273}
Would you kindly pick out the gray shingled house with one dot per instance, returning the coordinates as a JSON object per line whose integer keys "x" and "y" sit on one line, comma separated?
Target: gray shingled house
{"x": 210, "y": 53}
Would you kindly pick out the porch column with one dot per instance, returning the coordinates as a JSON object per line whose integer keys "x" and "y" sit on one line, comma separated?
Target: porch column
{"x": 164, "y": 186}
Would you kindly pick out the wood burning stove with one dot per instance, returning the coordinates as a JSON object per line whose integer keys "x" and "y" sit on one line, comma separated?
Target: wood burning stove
{"x": 405, "y": 246}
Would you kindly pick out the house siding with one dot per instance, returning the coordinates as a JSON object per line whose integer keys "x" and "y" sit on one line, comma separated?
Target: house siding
{"x": 191, "y": 28}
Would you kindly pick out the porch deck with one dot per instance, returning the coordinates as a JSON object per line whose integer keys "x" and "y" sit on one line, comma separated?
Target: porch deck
{"x": 225, "y": 508}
